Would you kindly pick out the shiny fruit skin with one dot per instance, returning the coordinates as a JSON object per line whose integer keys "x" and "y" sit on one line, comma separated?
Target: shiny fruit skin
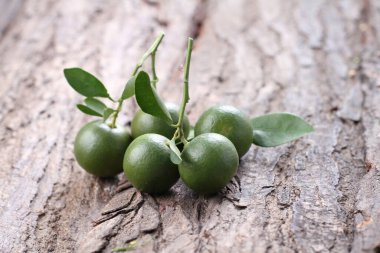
{"x": 229, "y": 122}
{"x": 99, "y": 149}
{"x": 209, "y": 161}
{"x": 144, "y": 123}
{"x": 147, "y": 164}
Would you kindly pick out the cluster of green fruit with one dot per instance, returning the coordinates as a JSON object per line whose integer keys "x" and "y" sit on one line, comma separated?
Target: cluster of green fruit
{"x": 163, "y": 146}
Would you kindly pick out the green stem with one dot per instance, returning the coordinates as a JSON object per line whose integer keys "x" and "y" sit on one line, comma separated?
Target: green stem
{"x": 183, "y": 139}
{"x": 150, "y": 52}
{"x": 185, "y": 96}
{"x": 116, "y": 113}
{"x": 155, "y": 78}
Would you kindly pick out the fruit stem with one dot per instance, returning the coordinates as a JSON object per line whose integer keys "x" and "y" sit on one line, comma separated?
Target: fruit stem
{"x": 183, "y": 139}
{"x": 116, "y": 113}
{"x": 185, "y": 97}
{"x": 150, "y": 52}
{"x": 155, "y": 78}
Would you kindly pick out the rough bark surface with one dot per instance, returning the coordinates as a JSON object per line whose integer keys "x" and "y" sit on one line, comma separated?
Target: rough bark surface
{"x": 319, "y": 59}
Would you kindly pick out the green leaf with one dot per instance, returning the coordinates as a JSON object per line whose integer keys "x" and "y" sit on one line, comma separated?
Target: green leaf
{"x": 107, "y": 113}
{"x": 129, "y": 89}
{"x": 88, "y": 110}
{"x": 274, "y": 129}
{"x": 175, "y": 154}
{"x": 148, "y": 99}
{"x": 84, "y": 83}
{"x": 95, "y": 105}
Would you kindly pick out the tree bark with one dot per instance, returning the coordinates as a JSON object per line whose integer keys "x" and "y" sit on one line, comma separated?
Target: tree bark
{"x": 318, "y": 59}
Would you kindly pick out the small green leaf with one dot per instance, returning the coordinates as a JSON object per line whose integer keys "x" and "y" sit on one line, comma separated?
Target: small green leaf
{"x": 274, "y": 129}
{"x": 96, "y": 105}
{"x": 88, "y": 110}
{"x": 148, "y": 99}
{"x": 129, "y": 89}
{"x": 175, "y": 154}
{"x": 85, "y": 83}
{"x": 107, "y": 113}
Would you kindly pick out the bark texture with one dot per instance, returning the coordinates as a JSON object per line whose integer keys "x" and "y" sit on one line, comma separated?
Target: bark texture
{"x": 319, "y": 59}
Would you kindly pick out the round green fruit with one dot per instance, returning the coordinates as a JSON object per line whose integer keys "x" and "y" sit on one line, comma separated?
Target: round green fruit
{"x": 209, "y": 161}
{"x": 147, "y": 164}
{"x": 229, "y": 122}
{"x": 144, "y": 123}
{"x": 99, "y": 149}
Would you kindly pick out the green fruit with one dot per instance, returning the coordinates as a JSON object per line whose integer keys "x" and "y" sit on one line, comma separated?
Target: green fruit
{"x": 99, "y": 149}
{"x": 147, "y": 164}
{"x": 144, "y": 123}
{"x": 230, "y": 122}
{"x": 209, "y": 162}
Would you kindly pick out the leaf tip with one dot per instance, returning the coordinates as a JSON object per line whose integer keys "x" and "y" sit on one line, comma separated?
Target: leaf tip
{"x": 310, "y": 127}
{"x": 66, "y": 72}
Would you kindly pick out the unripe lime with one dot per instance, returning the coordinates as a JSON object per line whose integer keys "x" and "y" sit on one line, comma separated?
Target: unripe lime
{"x": 209, "y": 161}
{"x": 230, "y": 122}
{"x": 99, "y": 149}
{"x": 144, "y": 123}
{"x": 147, "y": 164}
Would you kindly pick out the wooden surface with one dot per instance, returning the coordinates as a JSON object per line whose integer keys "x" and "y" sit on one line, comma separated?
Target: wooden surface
{"x": 319, "y": 59}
